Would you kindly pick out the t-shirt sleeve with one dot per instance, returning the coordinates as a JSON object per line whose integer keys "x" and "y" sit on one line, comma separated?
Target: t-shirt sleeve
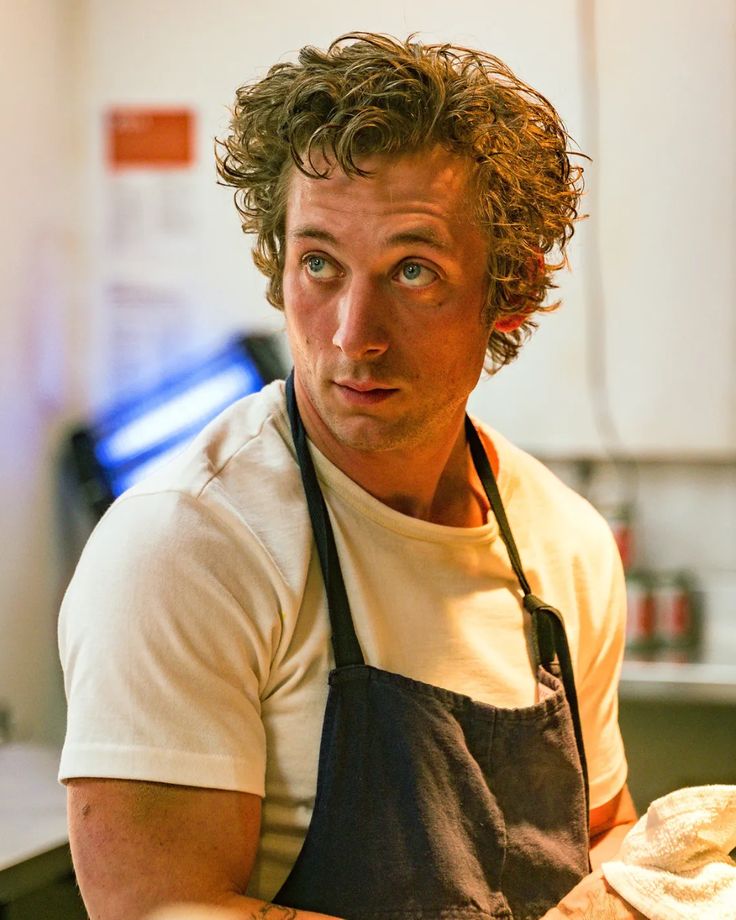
{"x": 166, "y": 634}
{"x": 602, "y": 638}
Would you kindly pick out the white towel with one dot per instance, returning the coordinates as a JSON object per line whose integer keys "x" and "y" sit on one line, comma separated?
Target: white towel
{"x": 674, "y": 863}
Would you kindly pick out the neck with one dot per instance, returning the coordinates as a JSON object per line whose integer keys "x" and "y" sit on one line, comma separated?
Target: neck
{"x": 435, "y": 482}
{"x": 441, "y": 487}
{"x": 430, "y": 483}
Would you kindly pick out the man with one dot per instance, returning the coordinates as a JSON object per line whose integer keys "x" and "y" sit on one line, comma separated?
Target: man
{"x": 347, "y": 527}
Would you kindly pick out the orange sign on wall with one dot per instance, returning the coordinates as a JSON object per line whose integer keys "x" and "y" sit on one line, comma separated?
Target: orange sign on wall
{"x": 150, "y": 138}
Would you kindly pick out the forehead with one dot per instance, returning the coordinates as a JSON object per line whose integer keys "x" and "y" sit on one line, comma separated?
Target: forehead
{"x": 433, "y": 184}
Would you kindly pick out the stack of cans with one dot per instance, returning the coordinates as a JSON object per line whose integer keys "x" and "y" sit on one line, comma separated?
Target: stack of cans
{"x": 663, "y": 621}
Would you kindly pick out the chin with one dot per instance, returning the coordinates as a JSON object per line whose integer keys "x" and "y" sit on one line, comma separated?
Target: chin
{"x": 371, "y": 435}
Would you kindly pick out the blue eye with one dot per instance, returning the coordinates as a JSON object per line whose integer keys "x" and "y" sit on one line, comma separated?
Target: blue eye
{"x": 319, "y": 267}
{"x": 415, "y": 274}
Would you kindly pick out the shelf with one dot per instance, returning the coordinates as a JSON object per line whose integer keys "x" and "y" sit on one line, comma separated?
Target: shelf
{"x": 697, "y": 681}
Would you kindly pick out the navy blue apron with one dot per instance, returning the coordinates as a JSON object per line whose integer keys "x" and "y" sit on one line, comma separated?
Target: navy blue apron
{"x": 430, "y": 804}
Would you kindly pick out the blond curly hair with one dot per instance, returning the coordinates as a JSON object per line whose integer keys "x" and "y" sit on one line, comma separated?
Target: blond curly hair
{"x": 373, "y": 94}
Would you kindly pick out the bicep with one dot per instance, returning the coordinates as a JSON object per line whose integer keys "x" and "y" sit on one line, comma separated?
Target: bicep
{"x": 137, "y": 845}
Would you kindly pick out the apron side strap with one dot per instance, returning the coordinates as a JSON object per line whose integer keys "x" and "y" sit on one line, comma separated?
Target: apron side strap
{"x": 550, "y": 641}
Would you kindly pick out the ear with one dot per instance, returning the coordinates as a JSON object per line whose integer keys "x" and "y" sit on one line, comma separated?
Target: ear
{"x": 533, "y": 269}
{"x": 509, "y": 322}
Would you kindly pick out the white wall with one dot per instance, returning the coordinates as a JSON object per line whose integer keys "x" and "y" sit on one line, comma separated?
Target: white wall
{"x": 64, "y": 62}
{"x": 38, "y": 333}
{"x": 649, "y": 346}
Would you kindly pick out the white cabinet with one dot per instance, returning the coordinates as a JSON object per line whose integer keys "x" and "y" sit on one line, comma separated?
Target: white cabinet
{"x": 664, "y": 221}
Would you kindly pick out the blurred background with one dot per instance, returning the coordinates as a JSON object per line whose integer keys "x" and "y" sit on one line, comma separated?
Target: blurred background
{"x": 122, "y": 265}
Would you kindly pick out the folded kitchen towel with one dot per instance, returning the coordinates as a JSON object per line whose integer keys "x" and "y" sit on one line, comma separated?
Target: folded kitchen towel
{"x": 674, "y": 864}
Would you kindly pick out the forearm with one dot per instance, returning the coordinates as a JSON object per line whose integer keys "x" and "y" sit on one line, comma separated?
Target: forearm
{"x": 593, "y": 899}
{"x": 235, "y": 907}
{"x": 253, "y": 909}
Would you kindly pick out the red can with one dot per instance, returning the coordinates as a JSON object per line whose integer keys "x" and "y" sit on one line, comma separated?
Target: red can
{"x": 640, "y": 620}
{"x": 675, "y": 622}
{"x": 620, "y": 520}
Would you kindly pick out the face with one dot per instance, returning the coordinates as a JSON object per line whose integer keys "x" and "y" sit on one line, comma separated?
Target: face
{"x": 384, "y": 294}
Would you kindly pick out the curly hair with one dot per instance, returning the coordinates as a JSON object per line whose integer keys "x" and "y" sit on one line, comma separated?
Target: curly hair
{"x": 370, "y": 94}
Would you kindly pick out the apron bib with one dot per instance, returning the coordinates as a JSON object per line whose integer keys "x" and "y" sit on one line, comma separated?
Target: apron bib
{"x": 430, "y": 804}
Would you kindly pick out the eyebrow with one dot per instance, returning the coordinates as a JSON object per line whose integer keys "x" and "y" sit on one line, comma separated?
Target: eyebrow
{"x": 312, "y": 233}
{"x": 425, "y": 235}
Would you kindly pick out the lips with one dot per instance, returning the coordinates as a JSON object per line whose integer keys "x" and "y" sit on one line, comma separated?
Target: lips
{"x": 364, "y": 392}
{"x": 363, "y": 386}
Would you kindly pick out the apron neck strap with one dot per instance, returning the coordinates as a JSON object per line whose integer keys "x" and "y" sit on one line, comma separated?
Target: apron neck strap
{"x": 488, "y": 480}
{"x": 345, "y": 643}
{"x": 545, "y": 646}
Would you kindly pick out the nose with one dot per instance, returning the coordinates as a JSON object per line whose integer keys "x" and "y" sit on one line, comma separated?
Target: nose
{"x": 361, "y": 328}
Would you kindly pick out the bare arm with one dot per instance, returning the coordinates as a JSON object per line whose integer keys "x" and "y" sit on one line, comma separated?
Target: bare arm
{"x": 138, "y": 846}
{"x": 593, "y": 899}
{"x": 609, "y": 824}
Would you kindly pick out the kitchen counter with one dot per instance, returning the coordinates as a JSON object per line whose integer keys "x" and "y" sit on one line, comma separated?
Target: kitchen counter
{"x": 692, "y": 681}
{"x": 36, "y": 877}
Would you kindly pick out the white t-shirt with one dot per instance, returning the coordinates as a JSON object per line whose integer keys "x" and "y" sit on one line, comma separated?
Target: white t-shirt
{"x": 195, "y": 636}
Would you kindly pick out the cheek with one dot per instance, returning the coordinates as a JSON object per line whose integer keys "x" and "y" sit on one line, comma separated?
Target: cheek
{"x": 299, "y": 293}
{"x": 290, "y": 285}
{"x": 460, "y": 348}
{"x": 307, "y": 323}
{"x": 296, "y": 304}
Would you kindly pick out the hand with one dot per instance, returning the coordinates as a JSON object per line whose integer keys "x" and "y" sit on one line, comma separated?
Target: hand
{"x": 593, "y": 899}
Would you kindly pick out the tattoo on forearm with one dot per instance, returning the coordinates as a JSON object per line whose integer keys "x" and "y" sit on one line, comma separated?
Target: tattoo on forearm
{"x": 274, "y": 912}
{"x": 603, "y": 906}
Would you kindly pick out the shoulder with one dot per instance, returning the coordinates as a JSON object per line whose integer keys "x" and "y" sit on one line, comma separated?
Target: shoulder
{"x": 246, "y": 443}
{"x": 234, "y": 488}
{"x": 221, "y": 526}
{"x": 538, "y": 502}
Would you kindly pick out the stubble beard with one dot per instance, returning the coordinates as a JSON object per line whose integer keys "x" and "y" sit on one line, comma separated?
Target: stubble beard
{"x": 374, "y": 434}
